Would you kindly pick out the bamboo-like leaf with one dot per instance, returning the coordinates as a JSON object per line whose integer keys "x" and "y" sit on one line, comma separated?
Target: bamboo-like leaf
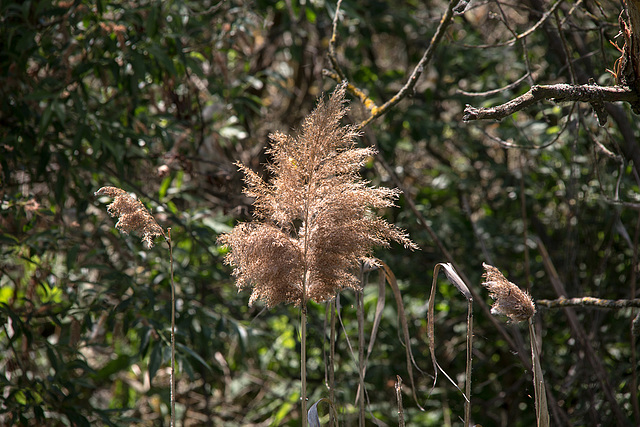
{"x": 312, "y": 415}
{"x": 378, "y": 314}
{"x": 402, "y": 319}
{"x": 376, "y": 322}
{"x": 195, "y": 355}
{"x": 155, "y": 360}
{"x": 457, "y": 281}
{"x": 542, "y": 410}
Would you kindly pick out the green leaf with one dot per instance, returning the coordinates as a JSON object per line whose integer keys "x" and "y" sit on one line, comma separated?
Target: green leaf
{"x": 120, "y": 363}
{"x": 163, "y": 59}
{"x": 152, "y": 22}
{"x": 72, "y": 256}
{"x": 46, "y": 118}
{"x": 155, "y": 360}
{"x": 166, "y": 183}
{"x": 311, "y": 15}
{"x": 193, "y": 354}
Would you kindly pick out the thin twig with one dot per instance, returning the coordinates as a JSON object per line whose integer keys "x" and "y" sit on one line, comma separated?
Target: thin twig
{"x": 523, "y": 214}
{"x": 589, "y": 302}
{"x": 332, "y": 45}
{"x": 494, "y": 91}
{"x": 521, "y": 36}
{"x": 353, "y": 90}
{"x": 565, "y": 48}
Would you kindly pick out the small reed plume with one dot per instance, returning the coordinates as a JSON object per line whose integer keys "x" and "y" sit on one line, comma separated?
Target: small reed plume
{"x": 132, "y": 215}
{"x": 509, "y": 299}
{"x": 314, "y": 221}
{"x": 512, "y": 302}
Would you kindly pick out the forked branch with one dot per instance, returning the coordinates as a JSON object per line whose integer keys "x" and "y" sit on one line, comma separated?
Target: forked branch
{"x": 407, "y": 89}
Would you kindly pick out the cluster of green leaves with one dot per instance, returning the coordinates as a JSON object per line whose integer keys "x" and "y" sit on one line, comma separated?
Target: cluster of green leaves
{"x": 159, "y": 98}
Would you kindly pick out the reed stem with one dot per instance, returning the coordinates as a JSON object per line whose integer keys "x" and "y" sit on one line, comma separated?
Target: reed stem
{"x": 173, "y": 334}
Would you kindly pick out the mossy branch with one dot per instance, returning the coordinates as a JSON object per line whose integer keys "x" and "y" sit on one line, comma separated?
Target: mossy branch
{"x": 589, "y": 302}
{"x": 594, "y": 94}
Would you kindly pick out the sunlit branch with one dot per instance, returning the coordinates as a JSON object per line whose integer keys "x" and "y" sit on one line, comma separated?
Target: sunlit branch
{"x": 593, "y": 94}
{"x": 588, "y": 302}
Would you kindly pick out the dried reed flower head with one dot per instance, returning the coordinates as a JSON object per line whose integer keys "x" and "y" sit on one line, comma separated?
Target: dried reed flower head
{"x": 509, "y": 299}
{"x": 314, "y": 220}
{"x": 132, "y": 215}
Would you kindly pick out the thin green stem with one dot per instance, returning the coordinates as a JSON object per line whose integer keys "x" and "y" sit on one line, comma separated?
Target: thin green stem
{"x": 332, "y": 354}
{"x": 360, "y": 311}
{"x": 303, "y": 306}
{"x": 173, "y": 334}
{"x": 467, "y": 405}
{"x": 303, "y": 360}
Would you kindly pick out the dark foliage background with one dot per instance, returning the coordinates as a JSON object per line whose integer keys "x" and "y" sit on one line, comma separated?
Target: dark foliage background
{"x": 160, "y": 98}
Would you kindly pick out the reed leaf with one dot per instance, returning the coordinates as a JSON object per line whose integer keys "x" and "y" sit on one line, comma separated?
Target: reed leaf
{"x": 457, "y": 281}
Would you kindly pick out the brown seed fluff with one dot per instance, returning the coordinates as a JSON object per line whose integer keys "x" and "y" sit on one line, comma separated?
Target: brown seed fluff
{"x": 314, "y": 221}
{"x": 132, "y": 215}
{"x": 509, "y": 299}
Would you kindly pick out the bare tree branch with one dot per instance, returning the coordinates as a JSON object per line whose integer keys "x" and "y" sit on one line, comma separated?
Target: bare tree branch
{"x": 591, "y": 93}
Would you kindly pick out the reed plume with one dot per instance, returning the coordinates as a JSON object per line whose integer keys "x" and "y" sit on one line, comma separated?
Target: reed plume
{"x": 509, "y": 299}
{"x": 314, "y": 221}
{"x": 132, "y": 215}
{"x": 518, "y": 306}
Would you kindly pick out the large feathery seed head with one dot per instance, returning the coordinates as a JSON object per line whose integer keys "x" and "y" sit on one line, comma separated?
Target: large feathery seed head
{"x": 314, "y": 221}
